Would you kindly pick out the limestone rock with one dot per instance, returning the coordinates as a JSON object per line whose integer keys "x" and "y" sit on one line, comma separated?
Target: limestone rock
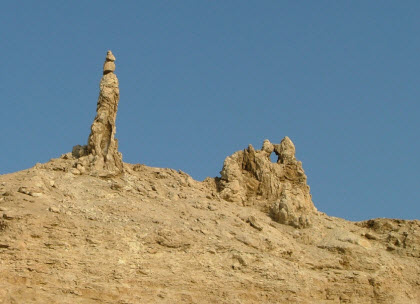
{"x": 249, "y": 177}
{"x": 292, "y": 208}
{"x": 285, "y": 151}
{"x": 118, "y": 234}
{"x": 267, "y": 147}
{"x": 110, "y": 56}
{"x": 109, "y": 65}
{"x": 101, "y": 154}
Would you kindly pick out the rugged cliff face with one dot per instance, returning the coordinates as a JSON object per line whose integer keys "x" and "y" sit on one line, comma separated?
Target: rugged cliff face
{"x": 88, "y": 228}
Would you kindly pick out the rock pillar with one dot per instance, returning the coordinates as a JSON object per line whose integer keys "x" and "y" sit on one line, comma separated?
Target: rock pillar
{"x": 102, "y": 143}
{"x": 100, "y": 156}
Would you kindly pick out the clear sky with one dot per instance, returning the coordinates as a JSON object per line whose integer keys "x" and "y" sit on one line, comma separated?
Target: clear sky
{"x": 200, "y": 80}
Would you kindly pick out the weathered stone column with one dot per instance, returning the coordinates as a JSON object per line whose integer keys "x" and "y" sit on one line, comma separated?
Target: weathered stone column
{"x": 102, "y": 143}
{"x": 100, "y": 156}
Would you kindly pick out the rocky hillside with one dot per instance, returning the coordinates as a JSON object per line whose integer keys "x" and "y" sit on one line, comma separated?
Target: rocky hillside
{"x": 88, "y": 228}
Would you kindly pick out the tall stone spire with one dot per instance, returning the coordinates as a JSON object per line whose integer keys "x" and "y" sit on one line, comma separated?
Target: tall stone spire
{"x": 102, "y": 143}
{"x": 100, "y": 156}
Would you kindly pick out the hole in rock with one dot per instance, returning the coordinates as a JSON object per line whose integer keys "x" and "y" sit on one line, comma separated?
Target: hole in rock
{"x": 273, "y": 157}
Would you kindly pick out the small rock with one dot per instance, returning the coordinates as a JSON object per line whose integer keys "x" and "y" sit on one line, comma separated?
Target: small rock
{"x": 75, "y": 171}
{"x": 92, "y": 241}
{"x": 240, "y": 259}
{"x": 81, "y": 168}
{"x": 370, "y": 236}
{"x": 211, "y": 207}
{"x": 109, "y": 66}
{"x": 24, "y": 190}
{"x": 8, "y": 216}
{"x": 161, "y": 295}
{"x": 390, "y": 248}
{"x": 54, "y": 209}
{"x": 52, "y": 183}
{"x": 182, "y": 195}
{"x": 110, "y": 56}
{"x": 253, "y": 222}
{"x": 116, "y": 187}
{"x": 66, "y": 156}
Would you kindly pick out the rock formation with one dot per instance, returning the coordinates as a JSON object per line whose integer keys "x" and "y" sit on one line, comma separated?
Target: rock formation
{"x": 155, "y": 235}
{"x": 249, "y": 177}
{"x": 101, "y": 154}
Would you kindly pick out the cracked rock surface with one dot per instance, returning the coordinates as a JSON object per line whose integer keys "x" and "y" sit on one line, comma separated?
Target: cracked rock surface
{"x": 249, "y": 177}
{"x": 153, "y": 235}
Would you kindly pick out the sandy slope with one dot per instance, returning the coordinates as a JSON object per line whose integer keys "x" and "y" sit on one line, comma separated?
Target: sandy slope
{"x": 157, "y": 236}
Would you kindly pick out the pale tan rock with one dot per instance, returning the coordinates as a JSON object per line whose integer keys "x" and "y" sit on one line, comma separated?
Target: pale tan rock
{"x": 254, "y": 223}
{"x": 109, "y": 66}
{"x": 267, "y": 147}
{"x": 24, "y": 190}
{"x": 101, "y": 156}
{"x": 36, "y": 194}
{"x": 54, "y": 209}
{"x": 285, "y": 151}
{"x": 75, "y": 171}
{"x": 81, "y": 168}
{"x": 216, "y": 251}
{"x": 293, "y": 207}
{"x": 110, "y": 56}
{"x": 250, "y": 178}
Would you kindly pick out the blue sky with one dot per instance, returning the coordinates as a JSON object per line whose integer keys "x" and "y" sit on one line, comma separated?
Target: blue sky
{"x": 200, "y": 80}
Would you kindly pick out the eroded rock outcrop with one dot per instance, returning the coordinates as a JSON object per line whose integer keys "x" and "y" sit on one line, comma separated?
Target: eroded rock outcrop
{"x": 249, "y": 177}
{"x": 100, "y": 156}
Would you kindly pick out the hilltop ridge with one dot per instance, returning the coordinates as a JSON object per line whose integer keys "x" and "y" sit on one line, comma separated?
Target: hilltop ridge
{"x": 88, "y": 228}
{"x": 155, "y": 235}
